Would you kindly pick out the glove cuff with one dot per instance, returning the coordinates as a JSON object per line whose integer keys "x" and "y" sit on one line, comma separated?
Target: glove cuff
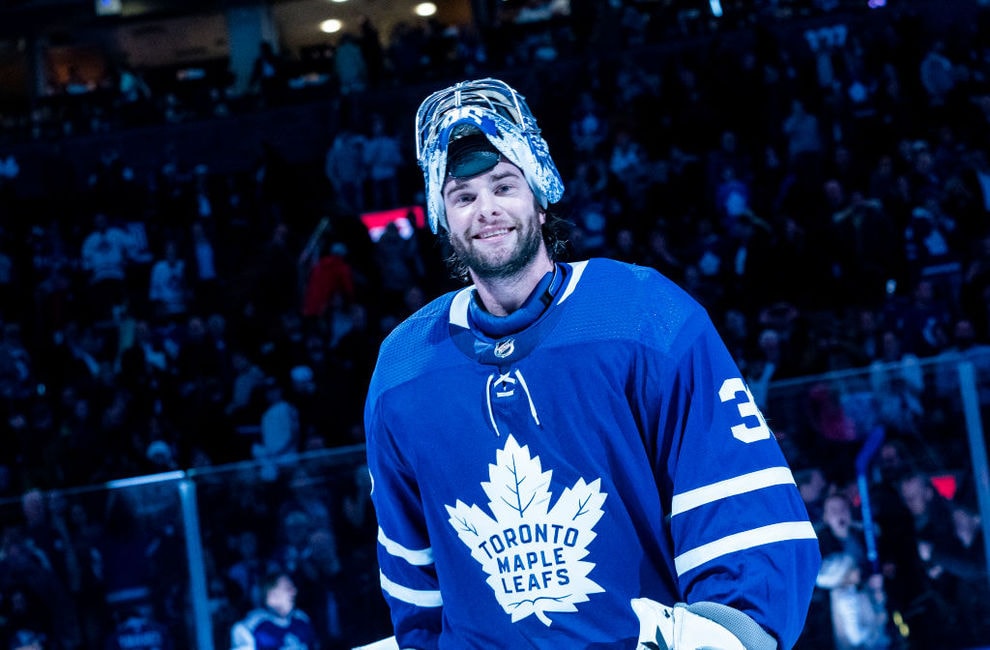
{"x": 748, "y": 631}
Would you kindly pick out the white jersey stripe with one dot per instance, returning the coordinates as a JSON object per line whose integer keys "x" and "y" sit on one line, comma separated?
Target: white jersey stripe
{"x": 578, "y": 271}
{"x": 782, "y": 532}
{"x": 412, "y": 556}
{"x": 459, "y": 307}
{"x": 417, "y": 597}
{"x": 751, "y": 482}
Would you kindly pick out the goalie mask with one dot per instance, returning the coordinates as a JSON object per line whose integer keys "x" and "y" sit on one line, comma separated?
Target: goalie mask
{"x": 467, "y": 128}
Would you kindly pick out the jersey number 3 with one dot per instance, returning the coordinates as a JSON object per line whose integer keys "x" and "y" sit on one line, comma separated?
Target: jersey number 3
{"x": 730, "y": 392}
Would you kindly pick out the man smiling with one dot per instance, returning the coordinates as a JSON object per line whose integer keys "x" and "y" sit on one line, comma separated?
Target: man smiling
{"x": 565, "y": 455}
{"x": 503, "y": 246}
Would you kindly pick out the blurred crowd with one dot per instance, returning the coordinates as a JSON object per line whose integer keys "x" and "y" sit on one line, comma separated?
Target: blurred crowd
{"x": 79, "y": 98}
{"x": 824, "y": 191}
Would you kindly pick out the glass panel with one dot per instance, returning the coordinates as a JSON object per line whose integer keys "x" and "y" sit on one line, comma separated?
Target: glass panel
{"x": 893, "y": 441}
{"x": 79, "y": 567}
{"x": 310, "y": 515}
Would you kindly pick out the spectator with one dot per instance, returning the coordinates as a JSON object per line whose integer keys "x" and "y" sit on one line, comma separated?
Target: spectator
{"x": 170, "y": 289}
{"x": 897, "y": 382}
{"x": 382, "y": 159}
{"x": 277, "y": 622}
{"x": 350, "y": 66}
{"x": 201, "y": 362}
{"x": 812, "y": 485}
{"x": 294, "y": 526}
{"x": 937, "y": 74}
{"x": 248, "y": 377}
{"x": 276, "y": 293}
{"x": 268, "y": 75}
{"x": 924, "y": 320}
{"x": 931, "y": 513}
{"x": 627, "y": 161}
{"x": 761, "y": 369}
{"x": 143, "y": 361}
{"x": 929, "y": 244}
{"x": 399, "y": 266}
{"x": 346, "y": 170}
{"x": 247, "y": 571}
{"x": 964, "y": 561}
{"x": 863, "y": 260}
{"x": 279, "y": 430}
{"x": 206, "y": 283}
{"x": 801, "y": 128}
{"x": 840, "y": 534}
{"x": 588, "y": 125}
{"x": 859, "y": 615}
{"x": 322, "y": 587}
{"x": 732, "y": 197}
{"x": 329, "y": 285}
{"x": 106, "y": 253}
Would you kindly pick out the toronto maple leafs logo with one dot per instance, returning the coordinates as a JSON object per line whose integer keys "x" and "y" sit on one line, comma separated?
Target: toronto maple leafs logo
{"x": 533, "y": 554}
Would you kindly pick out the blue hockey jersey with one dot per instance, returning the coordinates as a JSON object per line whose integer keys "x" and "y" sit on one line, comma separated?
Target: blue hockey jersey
{"x": 528, "y": 485}
{"x": 263, "y": 629}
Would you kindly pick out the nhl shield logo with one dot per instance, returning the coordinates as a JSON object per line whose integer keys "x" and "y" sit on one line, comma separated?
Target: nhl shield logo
{"x": 505, "y": 348}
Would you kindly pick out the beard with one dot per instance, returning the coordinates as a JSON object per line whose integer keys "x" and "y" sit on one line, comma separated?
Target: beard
{"x": 499, "y": 265}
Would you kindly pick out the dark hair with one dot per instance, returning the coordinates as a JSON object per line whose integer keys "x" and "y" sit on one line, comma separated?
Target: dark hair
{"x": 555, "y": 230}
{"x": 272, "y": 575}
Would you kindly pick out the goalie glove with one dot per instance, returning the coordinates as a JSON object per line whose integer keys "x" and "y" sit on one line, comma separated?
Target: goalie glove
{"x": 700, "y": 626}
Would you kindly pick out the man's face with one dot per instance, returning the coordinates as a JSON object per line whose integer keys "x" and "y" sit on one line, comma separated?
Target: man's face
{"x": 494, "y": 222}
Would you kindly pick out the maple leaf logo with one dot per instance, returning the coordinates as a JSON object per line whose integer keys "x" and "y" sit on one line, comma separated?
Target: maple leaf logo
{"x": 533, "y": 554}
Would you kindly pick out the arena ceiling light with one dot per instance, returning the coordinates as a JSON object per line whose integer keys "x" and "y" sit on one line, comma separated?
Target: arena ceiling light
{"x": 331, "y": 26}
{"x": 425, "y": 9}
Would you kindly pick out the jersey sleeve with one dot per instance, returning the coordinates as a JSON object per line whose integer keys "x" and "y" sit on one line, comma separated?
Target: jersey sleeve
{"x": 739, "y": 529}
{"x": 405, "y": 557}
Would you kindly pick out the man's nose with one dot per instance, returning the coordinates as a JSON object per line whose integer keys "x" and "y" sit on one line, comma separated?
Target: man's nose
{"x": 486, "y": 203}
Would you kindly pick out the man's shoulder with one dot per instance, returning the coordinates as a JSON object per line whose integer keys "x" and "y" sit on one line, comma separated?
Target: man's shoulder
{"x": 419, "y": 332}
{"x": 629, "y": 282}
{"x": 618, "y": 300}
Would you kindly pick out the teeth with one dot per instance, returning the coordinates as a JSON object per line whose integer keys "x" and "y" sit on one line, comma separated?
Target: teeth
{"x": 493, "y": 233}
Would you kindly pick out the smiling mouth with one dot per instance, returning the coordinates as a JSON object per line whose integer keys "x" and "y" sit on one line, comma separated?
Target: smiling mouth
{"x": 493, "y": 233}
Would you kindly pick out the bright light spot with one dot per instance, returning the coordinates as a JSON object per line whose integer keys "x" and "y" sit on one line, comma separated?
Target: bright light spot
{"x": 716, "y": 6}
{"x": 338, "y": 0}
{"x": 425, "y": 9}
{"x": 331, "y": 26}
